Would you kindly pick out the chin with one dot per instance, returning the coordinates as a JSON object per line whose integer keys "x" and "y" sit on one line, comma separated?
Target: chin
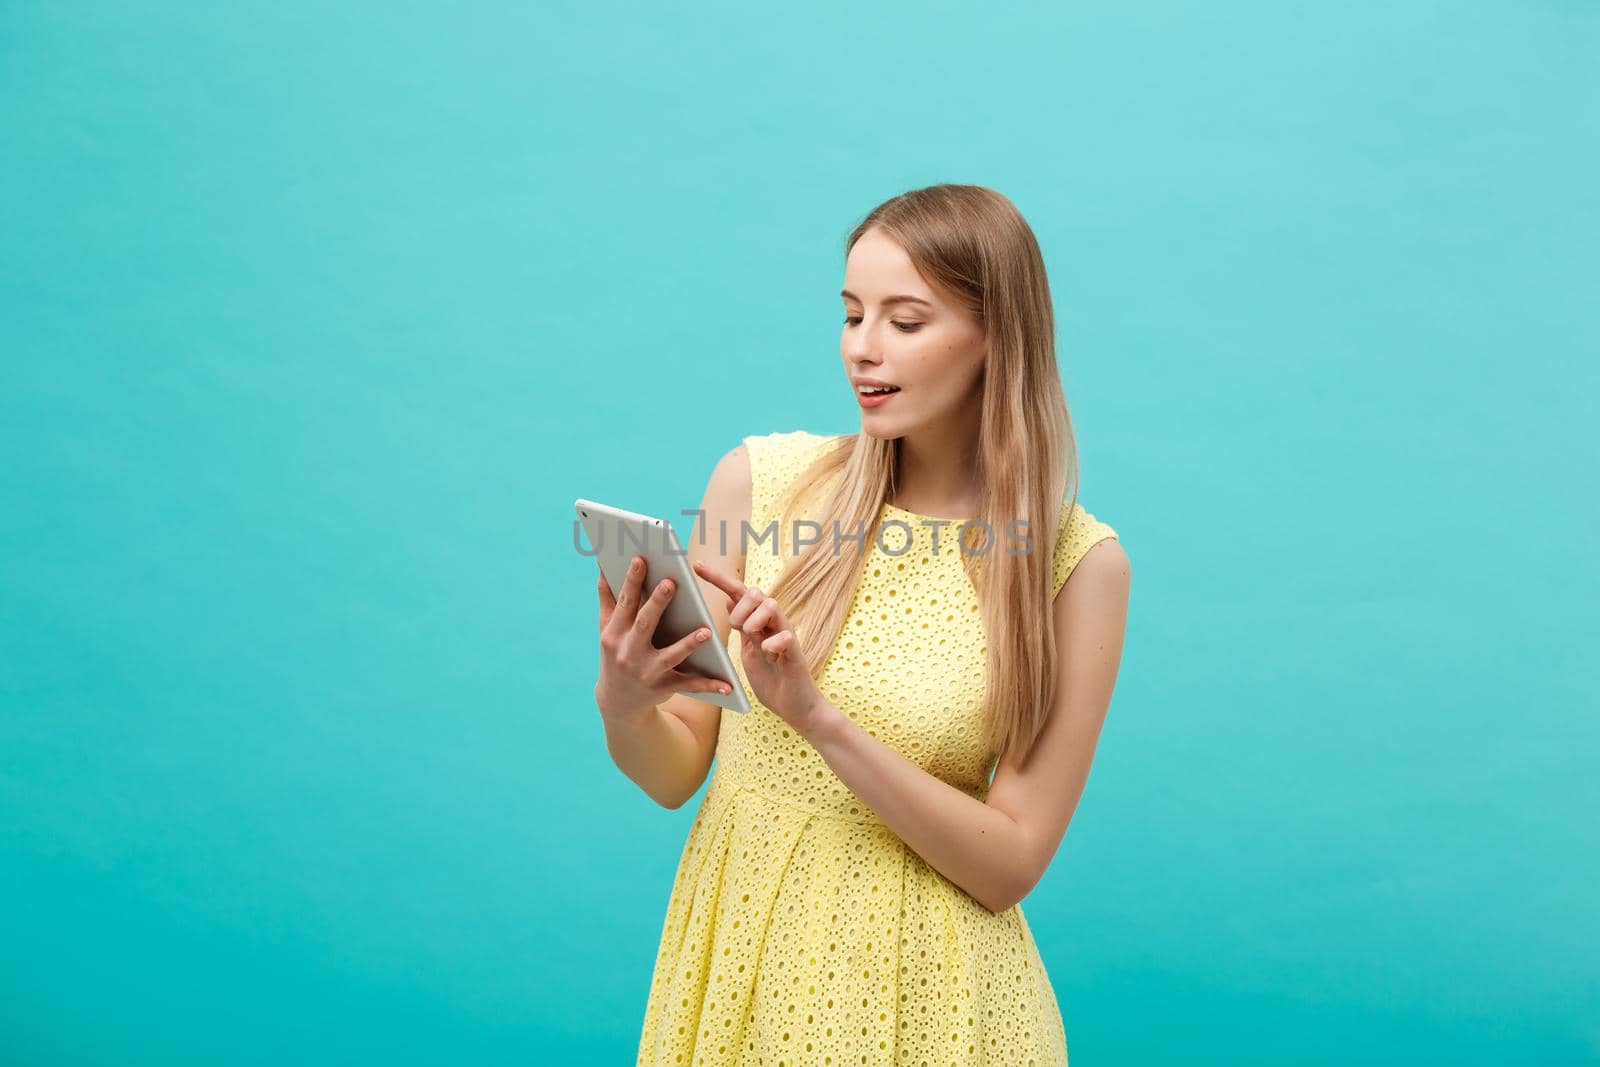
{"x": 868, "y": 429}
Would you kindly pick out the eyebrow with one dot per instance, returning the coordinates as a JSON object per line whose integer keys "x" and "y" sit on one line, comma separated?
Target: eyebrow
{"x": 888, "y": 299}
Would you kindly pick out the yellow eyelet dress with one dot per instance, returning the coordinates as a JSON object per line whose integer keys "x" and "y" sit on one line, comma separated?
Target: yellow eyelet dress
{"x": 801, "y": 930}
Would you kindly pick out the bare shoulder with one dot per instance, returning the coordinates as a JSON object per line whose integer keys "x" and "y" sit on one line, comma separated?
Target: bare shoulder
{"x": 731, "y": 475}
{"x": 726, "y": 505}
{"x": 1098, "y": 584}
{"x": 1105, "y": 562}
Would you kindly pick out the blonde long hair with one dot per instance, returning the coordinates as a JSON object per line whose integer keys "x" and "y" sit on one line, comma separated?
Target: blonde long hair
{"x": 973, "y": 243}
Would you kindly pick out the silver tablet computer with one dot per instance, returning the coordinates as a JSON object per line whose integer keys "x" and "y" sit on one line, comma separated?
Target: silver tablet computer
{"x": 615, "y": 537}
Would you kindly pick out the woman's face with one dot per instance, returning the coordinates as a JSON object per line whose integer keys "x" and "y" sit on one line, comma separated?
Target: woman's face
{"x": 930, "y": 347}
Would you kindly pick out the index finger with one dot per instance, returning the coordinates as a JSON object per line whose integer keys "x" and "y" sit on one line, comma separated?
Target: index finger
{"x": 728, "y": 585}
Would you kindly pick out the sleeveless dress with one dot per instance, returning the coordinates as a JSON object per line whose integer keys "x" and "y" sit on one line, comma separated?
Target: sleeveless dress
{"x": 800, "y": 929}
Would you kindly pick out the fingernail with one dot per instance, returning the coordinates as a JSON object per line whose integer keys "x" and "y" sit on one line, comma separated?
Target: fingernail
{"x": 701, "y": 636}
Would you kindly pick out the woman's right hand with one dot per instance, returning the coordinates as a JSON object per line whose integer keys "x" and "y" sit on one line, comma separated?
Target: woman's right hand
{"x": 635, "y": 675}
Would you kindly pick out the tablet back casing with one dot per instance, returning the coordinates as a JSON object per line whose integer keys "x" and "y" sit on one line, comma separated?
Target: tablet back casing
{"x": 615, "y": 537}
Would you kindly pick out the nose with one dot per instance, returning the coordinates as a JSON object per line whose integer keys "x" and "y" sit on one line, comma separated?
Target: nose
{"x": 862, "y": 364}
{"x": 860, "y": 349}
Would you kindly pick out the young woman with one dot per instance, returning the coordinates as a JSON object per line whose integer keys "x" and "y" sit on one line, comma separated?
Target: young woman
{"x": 900, "y": 612}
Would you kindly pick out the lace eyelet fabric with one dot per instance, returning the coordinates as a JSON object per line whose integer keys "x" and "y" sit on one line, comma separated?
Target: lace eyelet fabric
{"x": 800, "y": 930}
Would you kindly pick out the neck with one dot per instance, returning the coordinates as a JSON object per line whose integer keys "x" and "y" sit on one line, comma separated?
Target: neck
{"x": 937, "y": 473}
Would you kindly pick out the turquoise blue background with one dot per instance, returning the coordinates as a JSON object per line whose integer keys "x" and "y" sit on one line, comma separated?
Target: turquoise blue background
{"x": 314, "y": 319}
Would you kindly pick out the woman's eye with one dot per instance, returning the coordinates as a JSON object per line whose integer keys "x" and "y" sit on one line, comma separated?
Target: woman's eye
{"x": 903, "y": 327}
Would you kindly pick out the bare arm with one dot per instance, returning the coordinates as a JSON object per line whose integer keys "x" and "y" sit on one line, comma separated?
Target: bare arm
{"x": 667, "y": 750}
{"x": 997, "y": 850}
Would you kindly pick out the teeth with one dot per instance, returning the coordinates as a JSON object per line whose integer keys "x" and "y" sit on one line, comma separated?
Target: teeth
{"x": 873, "y": 390}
